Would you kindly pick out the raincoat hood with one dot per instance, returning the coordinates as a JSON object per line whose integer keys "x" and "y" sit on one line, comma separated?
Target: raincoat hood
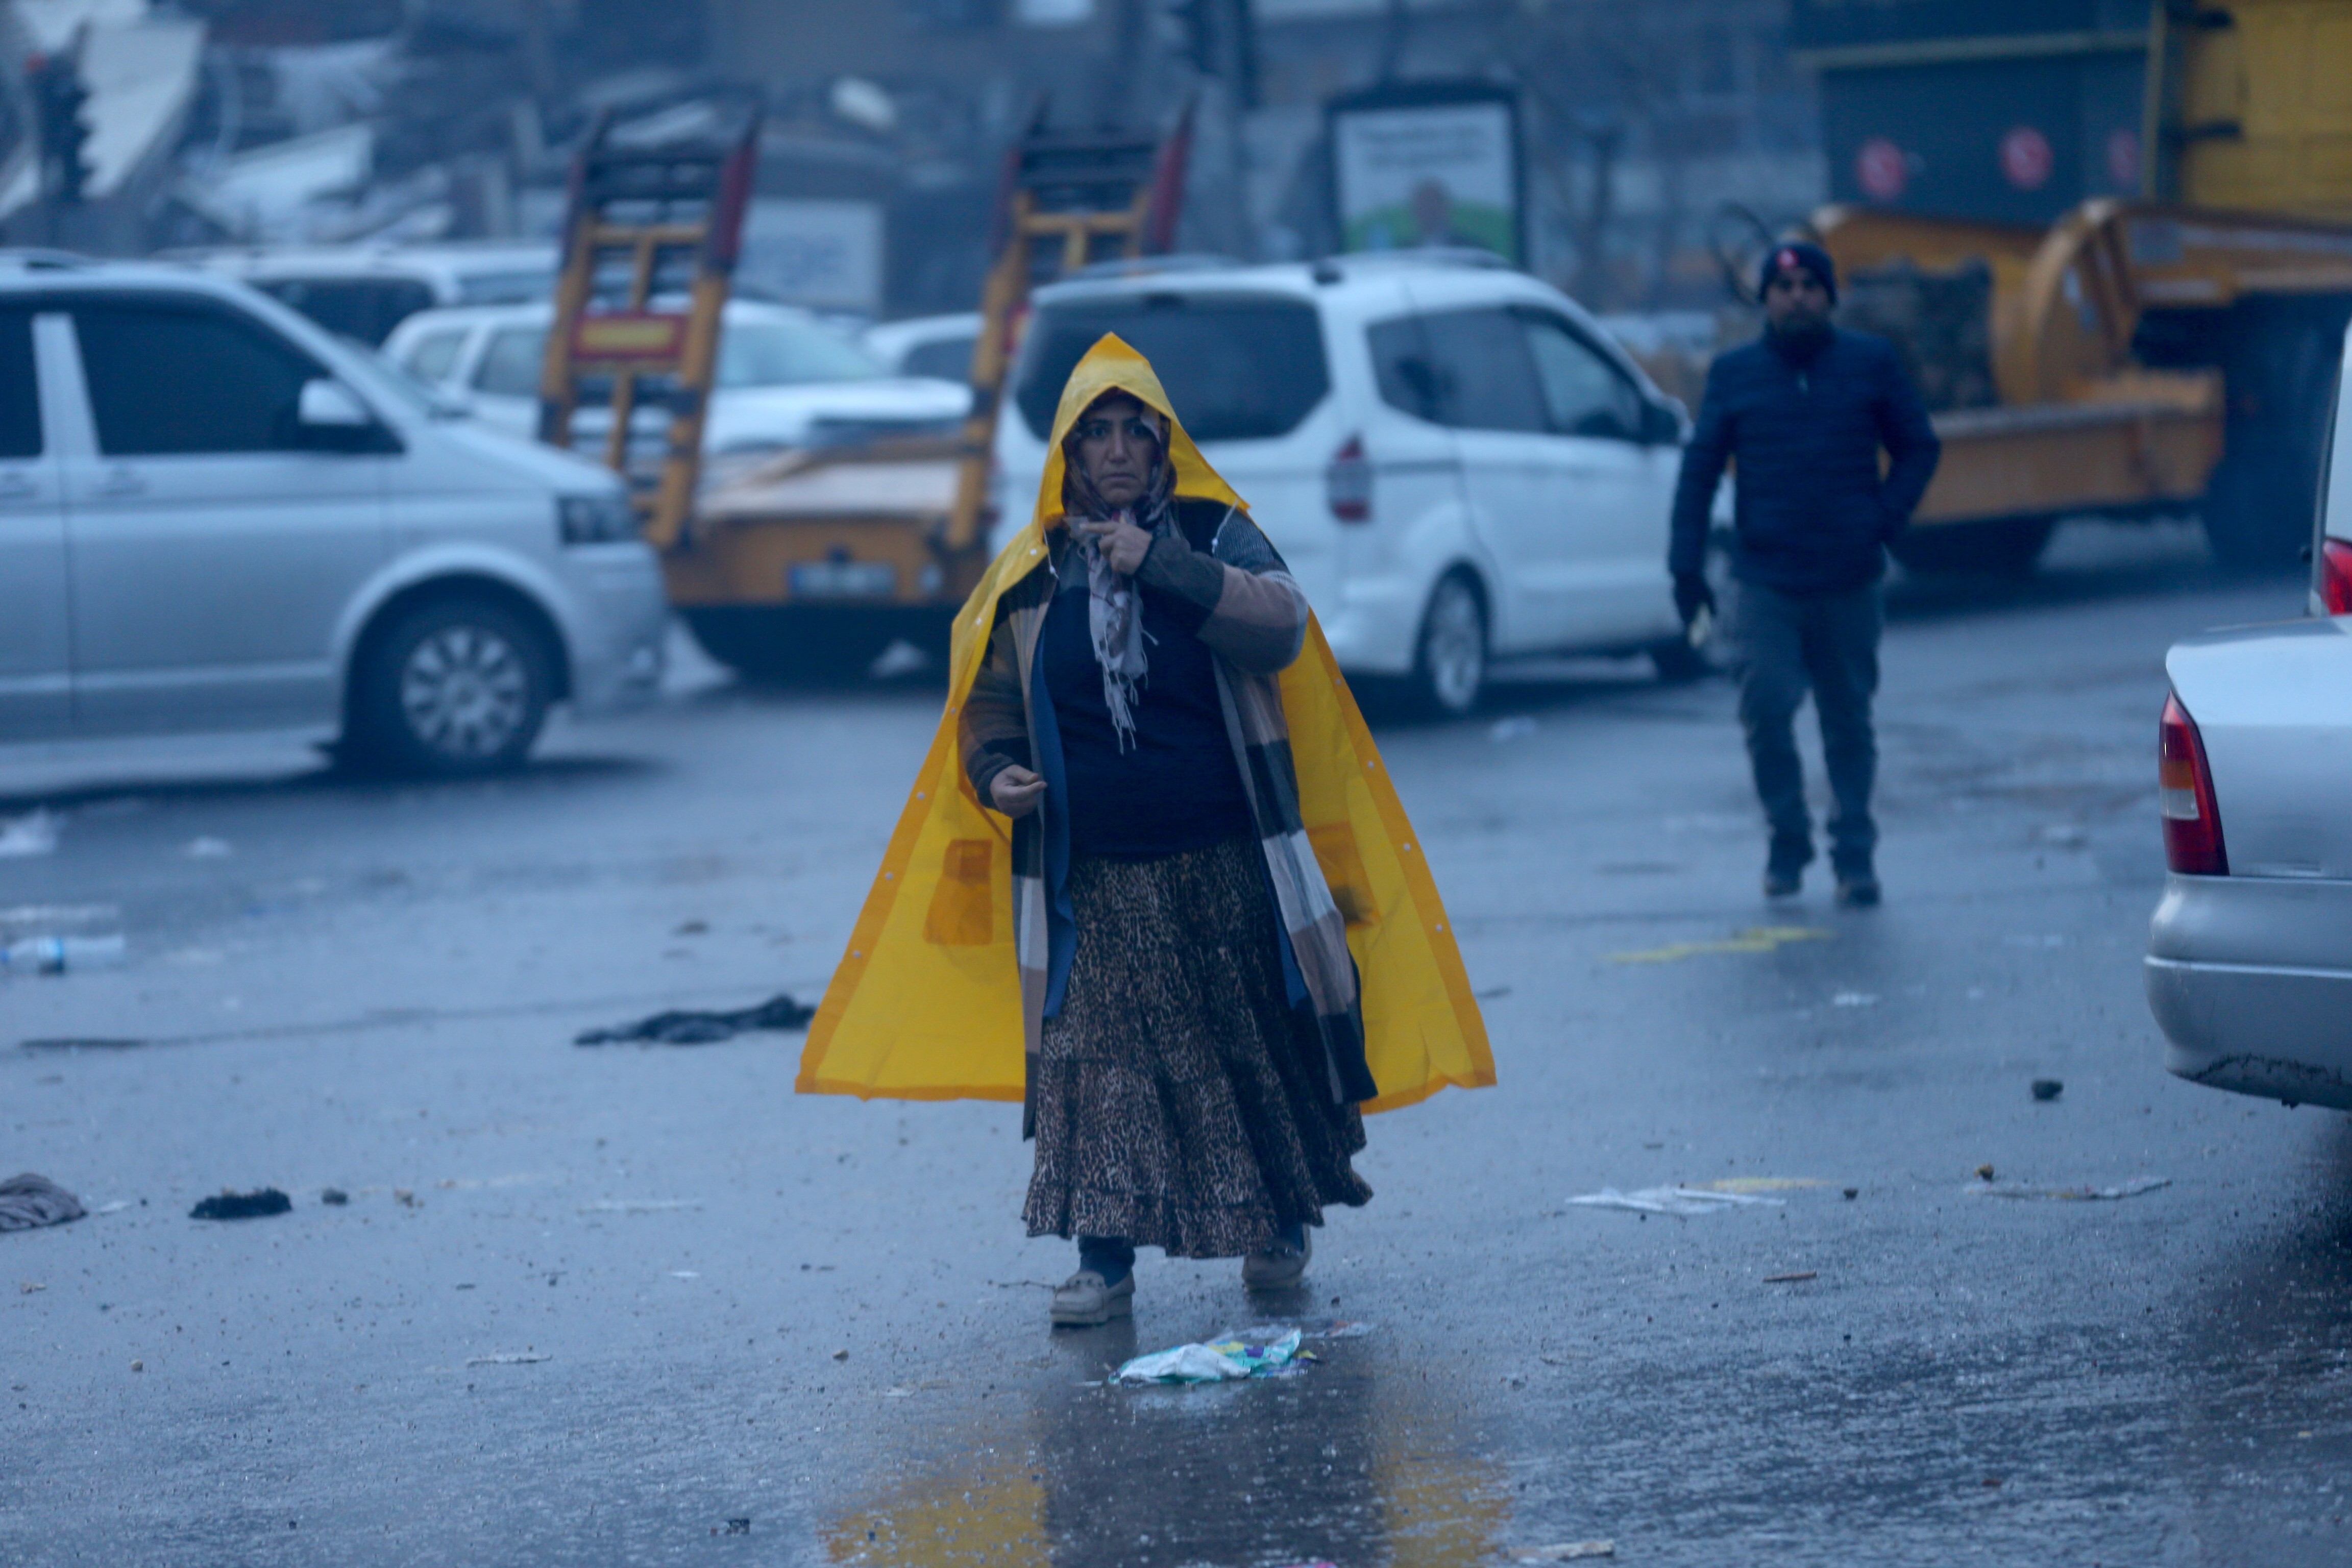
{"x": 925, "y": 1004}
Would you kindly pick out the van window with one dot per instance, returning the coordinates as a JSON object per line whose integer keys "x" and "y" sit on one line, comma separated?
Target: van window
{"x": 366, "y": 309}
{"x": 511, "y": 364}
{"x": 430, "y": 356}
{"x": 20, "y": 401}
{"x": 168, "y": 378}
{"x": 1481, "y": 372}
{"x": 1237, "y": 367}
{"x": 1583, "y": 394}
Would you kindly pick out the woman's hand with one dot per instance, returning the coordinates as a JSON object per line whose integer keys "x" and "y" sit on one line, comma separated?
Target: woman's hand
{"x": 1016, "y": 791}
{"x": 1124, "y": 545}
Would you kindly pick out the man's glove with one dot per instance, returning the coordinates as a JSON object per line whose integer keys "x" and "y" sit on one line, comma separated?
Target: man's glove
{"x": 1691, "y": 595}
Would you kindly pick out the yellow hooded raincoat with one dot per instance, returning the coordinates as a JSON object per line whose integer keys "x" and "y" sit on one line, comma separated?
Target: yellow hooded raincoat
{"x": 926, "y": 1003}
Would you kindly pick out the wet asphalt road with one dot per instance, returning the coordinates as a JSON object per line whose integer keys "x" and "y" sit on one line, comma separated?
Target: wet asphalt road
{"x": 635, "y": 1295}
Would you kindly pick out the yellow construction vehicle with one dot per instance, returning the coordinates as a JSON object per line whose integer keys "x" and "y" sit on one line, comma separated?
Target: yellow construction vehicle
{"x": 2167, "y": 354}
{"x": 812, "y": 564}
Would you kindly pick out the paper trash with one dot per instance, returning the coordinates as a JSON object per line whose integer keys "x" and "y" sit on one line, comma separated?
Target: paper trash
{"x": 1672, "y": 1200}
{"x": 1219, "y": 1361}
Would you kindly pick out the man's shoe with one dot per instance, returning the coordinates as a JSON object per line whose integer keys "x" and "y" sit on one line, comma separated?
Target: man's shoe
{"x": 1084, "y": 1301}
{"x": 1859, "y": 891}
{"x": 1280, "y": 1265}
{"x": 1784, "y": 868}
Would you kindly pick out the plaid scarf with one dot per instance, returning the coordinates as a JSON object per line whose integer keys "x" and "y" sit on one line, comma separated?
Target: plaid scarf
{"x": 1114, "y": 619}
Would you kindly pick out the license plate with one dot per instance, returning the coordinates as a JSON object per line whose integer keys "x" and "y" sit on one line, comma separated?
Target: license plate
{"x": 843, "y": 580}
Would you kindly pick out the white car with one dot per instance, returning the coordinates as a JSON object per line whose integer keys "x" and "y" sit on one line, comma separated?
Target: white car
{"x": 215, "y": 515}
{"x": 364, "y": 291}
{"x": 1458, "y": 465}
{"x": 2249, "y": 951}
{"x": 785, "y": 379}
{"x": 937, "y": 346}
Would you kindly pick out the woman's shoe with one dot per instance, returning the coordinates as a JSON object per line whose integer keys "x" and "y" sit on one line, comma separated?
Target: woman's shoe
{"x": 1281, "y": 1264}
{"x": 1084, "y": 1301}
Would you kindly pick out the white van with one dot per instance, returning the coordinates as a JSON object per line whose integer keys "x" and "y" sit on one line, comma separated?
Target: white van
{"x": 1457, "y": 464}
{"x": 214, "y": 515}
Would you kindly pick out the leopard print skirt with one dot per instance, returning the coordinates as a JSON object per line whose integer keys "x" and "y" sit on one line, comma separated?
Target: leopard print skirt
{"x": 1180, "y": 1099}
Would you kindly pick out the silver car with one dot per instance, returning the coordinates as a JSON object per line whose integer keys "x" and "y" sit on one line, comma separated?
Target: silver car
{"x": 2250, "y": 953}
{"x": 216, "y": 516}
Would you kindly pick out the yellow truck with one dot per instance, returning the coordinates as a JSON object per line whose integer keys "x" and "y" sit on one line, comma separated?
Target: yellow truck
{"x": 2164, "y": 353}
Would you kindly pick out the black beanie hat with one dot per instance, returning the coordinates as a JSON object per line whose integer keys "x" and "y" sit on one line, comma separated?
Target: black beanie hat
{"x": 1799, "y": 253}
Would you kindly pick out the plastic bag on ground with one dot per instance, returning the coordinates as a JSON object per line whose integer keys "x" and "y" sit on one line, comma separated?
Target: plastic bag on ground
{"x": 1218, "y": 1361}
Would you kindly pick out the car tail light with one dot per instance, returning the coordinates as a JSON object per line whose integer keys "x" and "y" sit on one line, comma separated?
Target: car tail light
{"x": 2192, "y": 824}
{"x": 1347, "y": 483}
{"x": 2336, "y": 576}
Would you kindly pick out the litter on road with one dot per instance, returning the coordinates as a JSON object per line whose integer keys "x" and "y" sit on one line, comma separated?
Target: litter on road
{"x": 1218, "y": 1361}
{"x": 1794, "y": 1278}
{"x": 1755, "y": 938}
{"x": 33, "y": 833}
{"x": 1568, "y": 1552}
{"x": 510, "y": 1358}
{"x": 1682, "y": 1201}
{"x": 2130, "y": 1189}
{"x": 2048, "y": 1089}
{"x": 28, "y": 1202}
{"x": 691, "y": 1028}
{"x": 258, "y": 1205}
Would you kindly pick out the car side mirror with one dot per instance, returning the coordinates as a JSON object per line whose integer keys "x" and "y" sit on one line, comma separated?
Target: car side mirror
{"x": 330, "y": 405}
{"x": 1663, "y": 424}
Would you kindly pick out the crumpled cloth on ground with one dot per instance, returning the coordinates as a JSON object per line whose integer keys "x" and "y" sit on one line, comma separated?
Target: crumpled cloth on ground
{"x": 779, "y": 1012}
{"x": 1219, "y": 1361}
{"x": 28, "y": 1201}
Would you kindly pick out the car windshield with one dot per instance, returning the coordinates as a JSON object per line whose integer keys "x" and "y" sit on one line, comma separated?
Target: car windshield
{"x": 750, "y": 353}
{"x": 788, "y": 353}
{"x": 524, "y": 287}
{"x": 510, "y": 363}
{"x": 1237, "y": 366}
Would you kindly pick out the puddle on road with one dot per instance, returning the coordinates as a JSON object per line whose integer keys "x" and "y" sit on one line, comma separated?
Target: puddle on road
{"x": 1347, "y": 1462}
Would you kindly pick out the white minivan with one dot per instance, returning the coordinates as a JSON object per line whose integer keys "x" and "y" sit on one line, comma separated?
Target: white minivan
{"x": 214, "y": 515}
{"x": 1458, "y": 465}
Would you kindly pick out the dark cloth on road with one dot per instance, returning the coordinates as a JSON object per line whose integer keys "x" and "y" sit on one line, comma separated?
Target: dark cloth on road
{"x": 1180, "y": 1099}
{"x": 689, "y": 1028}
{"x": 1171, "y": 785}
{"x": 28, "y": 1202}
{"x": 1811, "y": 513}
{"x": 1828, "y": 642}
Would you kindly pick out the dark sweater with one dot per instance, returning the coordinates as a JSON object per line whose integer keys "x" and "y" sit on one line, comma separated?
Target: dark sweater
{"x": 1176, "y": 787}
{"x": 1811, "y": 513}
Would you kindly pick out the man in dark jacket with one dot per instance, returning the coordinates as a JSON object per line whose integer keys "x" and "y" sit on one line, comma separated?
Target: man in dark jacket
{"x": 1803, "y": 412}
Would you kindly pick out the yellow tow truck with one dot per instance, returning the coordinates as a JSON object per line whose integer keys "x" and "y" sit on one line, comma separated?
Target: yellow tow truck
{"x": 2169, "y": 353}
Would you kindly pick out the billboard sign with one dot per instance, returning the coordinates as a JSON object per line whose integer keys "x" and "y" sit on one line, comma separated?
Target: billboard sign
{"x": 1428, "y": 163}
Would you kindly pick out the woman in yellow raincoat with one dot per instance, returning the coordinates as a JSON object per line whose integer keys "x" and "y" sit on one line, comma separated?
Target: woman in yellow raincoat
{"x": 1190, "y": 805}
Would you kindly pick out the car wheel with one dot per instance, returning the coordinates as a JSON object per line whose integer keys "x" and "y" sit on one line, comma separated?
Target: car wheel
{"x": 454, "y": 689}
{"x": 1449, "y": 667}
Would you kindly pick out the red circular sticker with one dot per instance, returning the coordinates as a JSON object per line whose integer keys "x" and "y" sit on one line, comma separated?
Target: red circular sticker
{"x": 2123, "y": 159}
{"x": 1880, "y": 170}
{"x": 2025, "y": 158}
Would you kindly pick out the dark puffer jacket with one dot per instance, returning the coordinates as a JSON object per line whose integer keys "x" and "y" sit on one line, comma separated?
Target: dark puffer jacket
{"x": 1813, "y": 516}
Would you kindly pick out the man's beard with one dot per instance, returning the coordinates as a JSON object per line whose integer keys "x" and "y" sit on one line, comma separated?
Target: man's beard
{"x": 1799, "y": 339}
